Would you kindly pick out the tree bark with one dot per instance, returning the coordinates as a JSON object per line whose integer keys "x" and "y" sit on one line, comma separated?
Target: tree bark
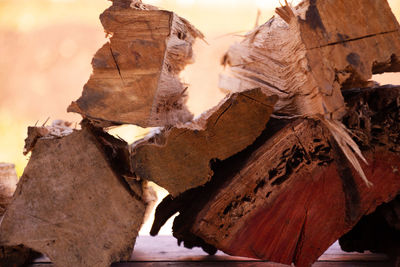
{"x": 72, "y": 203}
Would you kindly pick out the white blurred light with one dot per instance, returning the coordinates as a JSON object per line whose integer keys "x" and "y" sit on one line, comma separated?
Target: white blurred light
{"x": 265, "y": 3}
{"x": 26, "y": 22}
{"x": 185, "y": 2}
{"x": 152, "y": 2}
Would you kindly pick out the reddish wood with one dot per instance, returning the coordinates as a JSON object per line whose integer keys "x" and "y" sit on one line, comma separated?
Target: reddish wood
{"x": 290, "y": 195}
{"x": 309, "y": 216}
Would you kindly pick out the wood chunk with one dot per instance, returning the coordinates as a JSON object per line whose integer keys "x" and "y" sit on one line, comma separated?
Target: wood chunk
{"x": 135, "y": 75}
{"x": 313, "y": 51}
{"x": 72, "y": 205}
{"x": 291, "y": 194}
{"x": 179, "y": 158}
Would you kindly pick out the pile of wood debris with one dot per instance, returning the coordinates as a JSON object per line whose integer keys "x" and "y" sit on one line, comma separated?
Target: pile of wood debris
{"x": 302, "y": 150}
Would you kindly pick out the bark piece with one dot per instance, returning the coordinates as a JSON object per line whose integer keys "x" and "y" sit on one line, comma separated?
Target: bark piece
{"x": 291, "y": 194}
{"x": 73, "y": 205}
{"x": 179, "y": 158}
{"x": 135, "y": 75}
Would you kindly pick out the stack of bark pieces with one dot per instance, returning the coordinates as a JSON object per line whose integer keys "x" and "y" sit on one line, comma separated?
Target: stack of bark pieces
{"x": 268, "y": 173}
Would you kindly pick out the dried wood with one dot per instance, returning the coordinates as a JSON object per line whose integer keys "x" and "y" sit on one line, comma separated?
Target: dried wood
{"x": 72, "y": 203}
{"x": 307, "y": 58}
{"x": 310, "y": 53}
{"x": 135, "y": 75}
{"x": 291, "y": 194}
{"x": 179, "y": 158}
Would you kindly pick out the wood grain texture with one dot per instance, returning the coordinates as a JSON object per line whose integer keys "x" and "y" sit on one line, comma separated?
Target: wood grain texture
{"x": 321, "y": 48}
{"x": 310, "y": 53}
{"x": 71, "y": 205}
{"x": 179, "y": 158}
{"x": 135, "y": 75}
{"x": 290, "y": 195}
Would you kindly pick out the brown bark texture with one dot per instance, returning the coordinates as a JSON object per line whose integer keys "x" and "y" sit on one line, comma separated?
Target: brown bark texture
{"x": 72, "y": 203}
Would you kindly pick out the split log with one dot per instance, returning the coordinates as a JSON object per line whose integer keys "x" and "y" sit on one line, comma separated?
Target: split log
{"x": 16, "y": 255}
{"x": 72, "y": 203}
{"x": 135, "y": 75}
{"x": 291, "y": 194}
{"x": 309, "y": 53}
{"x": 313, "y": 51}
{"x": 179, "y": 158}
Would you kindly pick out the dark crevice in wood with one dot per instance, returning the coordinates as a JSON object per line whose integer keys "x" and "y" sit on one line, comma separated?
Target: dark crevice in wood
{"x": 300, "y": 240}
{"x": 117, "y": 153}
{"x": 378, "y": 232}
{"x": 189, "y": 203}
{"x": 354, "y": 39}
{"x": 116, "y": 65}
{"x": 351, "y": 194}
{"x": 377, "y": 106}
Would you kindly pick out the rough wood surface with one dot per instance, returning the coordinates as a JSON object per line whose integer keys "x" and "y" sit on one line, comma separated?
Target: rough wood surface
{"x": 321, "y": 48}
{"x": 135, "y": 75}
{"x": 73, "y": 205}
{"x": 288, "y": 197}
{"x": 179, "y": 158}
{"x": 310, "y": 53}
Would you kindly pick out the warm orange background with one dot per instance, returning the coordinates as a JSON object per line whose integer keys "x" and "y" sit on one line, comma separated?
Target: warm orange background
{"x": 46, "y": 48}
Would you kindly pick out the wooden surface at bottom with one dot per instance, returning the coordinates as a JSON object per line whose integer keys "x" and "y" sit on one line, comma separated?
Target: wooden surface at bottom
{"x": 164, "y": 251}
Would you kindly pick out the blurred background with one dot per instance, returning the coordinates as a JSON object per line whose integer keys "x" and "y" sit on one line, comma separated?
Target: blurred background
{"x": 46, "y": 47}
